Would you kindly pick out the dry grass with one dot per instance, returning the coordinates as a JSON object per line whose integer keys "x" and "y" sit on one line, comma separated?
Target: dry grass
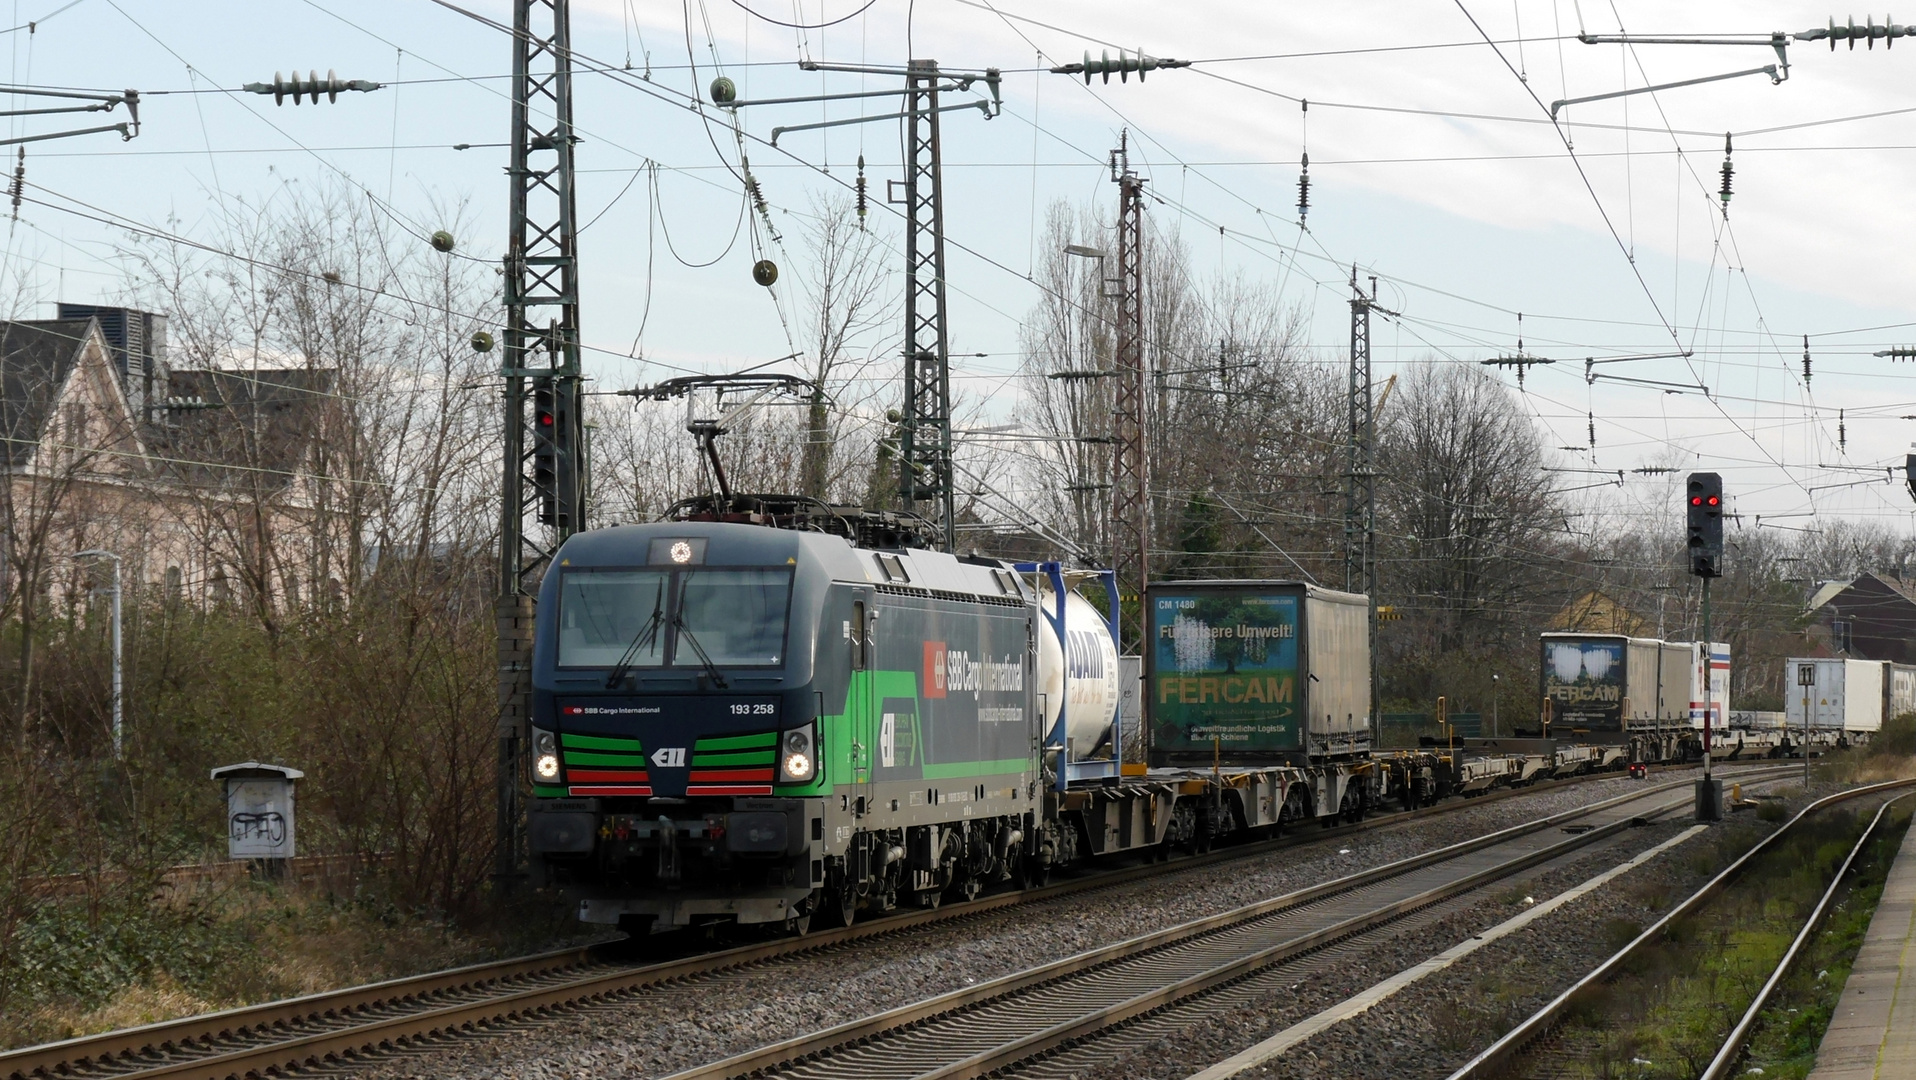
{"x": 237, "y": 944}
{"x": 1862, "y": 767}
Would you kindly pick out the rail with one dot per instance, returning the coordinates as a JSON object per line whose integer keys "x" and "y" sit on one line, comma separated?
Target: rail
{"x": 1733, "y": 1045}
{"x": 584, "y": 970}
{"x": 982, "y": 1029}
{"x": 1501, "y": 1053}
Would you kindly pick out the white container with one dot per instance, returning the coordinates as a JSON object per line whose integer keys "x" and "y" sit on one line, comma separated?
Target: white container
{"x": 1338, "y": 650}
{"x": 1676, "y": 679}
{"x": 1082, "y": 671}
{"x": 1642, "y": 683}
{"x": 1844, "y": 695}
{"x": 1899, "y": 691}
{"x": 1710, "y": 685}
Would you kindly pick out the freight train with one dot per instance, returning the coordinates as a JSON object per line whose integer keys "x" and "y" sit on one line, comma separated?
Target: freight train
{"x": 766, "y": 710}
{"x": 1844, "y": 698}
{"x": 1655, "y": 697}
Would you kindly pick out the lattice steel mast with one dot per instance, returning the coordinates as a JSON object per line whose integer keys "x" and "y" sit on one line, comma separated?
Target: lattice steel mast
{"x": 925, "y": 472}
{"x": 1130, "y": 465}
{"x": 543, "y": 445}
{"x": 925, "y": 457}
{"x": 1360, "y": 493}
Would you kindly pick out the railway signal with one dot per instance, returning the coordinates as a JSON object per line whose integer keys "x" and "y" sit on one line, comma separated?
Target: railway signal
{"x": 1705, "y": 519}
{"x": 551, "y": 459}
{"x": 1703, "y": 507}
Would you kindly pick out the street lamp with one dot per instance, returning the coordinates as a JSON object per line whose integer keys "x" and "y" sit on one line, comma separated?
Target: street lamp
{"x": 1494, "y": 680}
{"x": 1086, "y": 251}
{"x": 118, "y": 686}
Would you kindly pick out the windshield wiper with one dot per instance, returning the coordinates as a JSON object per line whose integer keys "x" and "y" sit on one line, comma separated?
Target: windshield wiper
{"x": 640, "y": 640}
{"x": 685, "y": 633}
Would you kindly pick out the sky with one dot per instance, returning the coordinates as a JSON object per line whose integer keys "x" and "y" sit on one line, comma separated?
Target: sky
{"x": 1434, "y": 161}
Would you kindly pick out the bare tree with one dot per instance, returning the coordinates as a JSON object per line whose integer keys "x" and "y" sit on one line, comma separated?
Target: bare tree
{"x": 1237, "y": 410}
{"x": 847, "y": 305}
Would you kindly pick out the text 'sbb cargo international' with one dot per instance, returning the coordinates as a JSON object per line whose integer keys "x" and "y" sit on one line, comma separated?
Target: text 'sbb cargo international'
{"x": 1255, "y": 673}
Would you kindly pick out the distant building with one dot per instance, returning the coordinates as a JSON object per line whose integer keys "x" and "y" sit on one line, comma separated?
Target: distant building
{"x": 1597, "y": 613}
{"x": 1870, "y": 618}
{"x": 136, "y": 342}
{"x": 204, "y": 482}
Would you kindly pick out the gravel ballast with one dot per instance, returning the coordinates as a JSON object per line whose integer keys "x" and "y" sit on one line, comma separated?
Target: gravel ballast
{"x": 669, "y": 1028}
{"x": 1436, "y": 1024}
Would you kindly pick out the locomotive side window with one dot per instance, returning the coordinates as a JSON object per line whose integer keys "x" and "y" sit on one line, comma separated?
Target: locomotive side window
{"x": 858, "y": 635}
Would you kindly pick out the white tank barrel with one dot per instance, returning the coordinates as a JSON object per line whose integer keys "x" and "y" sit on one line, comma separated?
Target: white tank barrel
{"x": 1082, "y": 672}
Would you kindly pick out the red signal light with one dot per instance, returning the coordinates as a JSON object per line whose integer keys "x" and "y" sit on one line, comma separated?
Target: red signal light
{"x": 1696, "y": 500}
{"x": 1714, "y": 500}
{"x": 545, "y": 419}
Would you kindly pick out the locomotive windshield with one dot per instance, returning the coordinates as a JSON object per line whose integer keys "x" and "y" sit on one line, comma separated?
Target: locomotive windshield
{"x": 737, "y": 615}
{"x": 654, "y": 618}
{"x": 604, "y": 613}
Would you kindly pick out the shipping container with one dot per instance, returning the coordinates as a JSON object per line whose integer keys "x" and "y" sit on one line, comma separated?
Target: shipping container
{"x": 1256, "y": 672}
{"x": 1843, "y": 695}
{"x": 1607, "y": 686}
{"x": 1710, "y": 686}
{"x": 1676, "y": 680}
{"x": 1899, "y": 690}
{"x": 1584, "y": 682}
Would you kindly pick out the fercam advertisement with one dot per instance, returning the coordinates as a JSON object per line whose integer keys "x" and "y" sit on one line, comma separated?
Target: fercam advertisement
{"x": 1224, "y": 672}
{"x": 1584, "y": 682}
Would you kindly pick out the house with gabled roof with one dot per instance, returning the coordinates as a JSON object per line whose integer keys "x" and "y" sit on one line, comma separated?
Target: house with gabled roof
{"x": 1596, "y": 612}
{"x": 1870, "y": 618}
{"x": 197, "y": 479}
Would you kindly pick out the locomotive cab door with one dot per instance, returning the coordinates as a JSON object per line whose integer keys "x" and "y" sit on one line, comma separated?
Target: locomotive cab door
{"x": 861, "y": 699}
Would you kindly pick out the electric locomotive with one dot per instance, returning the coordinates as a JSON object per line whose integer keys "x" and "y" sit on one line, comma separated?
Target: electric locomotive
{"x": 768, "y": 725}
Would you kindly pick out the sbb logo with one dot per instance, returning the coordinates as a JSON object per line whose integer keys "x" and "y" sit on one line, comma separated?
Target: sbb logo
{"x": 934, "y": 669}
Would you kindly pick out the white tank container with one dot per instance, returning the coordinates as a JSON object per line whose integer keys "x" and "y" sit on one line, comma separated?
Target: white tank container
{"x": 1083, "y": 672}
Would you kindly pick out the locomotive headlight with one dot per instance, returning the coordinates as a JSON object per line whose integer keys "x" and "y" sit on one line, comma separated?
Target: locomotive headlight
{"x": 545, "y": 755}
{"x": 797, "y": 759}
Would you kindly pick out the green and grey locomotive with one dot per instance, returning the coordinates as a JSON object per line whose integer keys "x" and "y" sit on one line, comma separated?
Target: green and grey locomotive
{"x": 767, "y": 725}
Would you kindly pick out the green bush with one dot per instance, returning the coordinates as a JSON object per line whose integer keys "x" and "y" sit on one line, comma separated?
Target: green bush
{"x": 387, "y": 704}
{"x": 1897, "y": 737}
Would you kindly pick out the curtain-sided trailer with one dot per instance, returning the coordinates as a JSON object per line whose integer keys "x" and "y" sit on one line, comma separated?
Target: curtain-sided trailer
{"x": 1851, "y": 696}
{"x": 1609, "y": 687}
{"x": 1256, "y": 673}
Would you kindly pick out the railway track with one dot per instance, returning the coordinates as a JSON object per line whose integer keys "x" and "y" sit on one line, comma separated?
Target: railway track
{"x": 339, "y": 1025}
{"x": 1539, "y": 1047}
{"x": 1061, "y": 1010}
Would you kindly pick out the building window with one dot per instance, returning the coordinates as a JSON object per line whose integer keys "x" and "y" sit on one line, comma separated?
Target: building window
{"x": 74, "y": 437}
